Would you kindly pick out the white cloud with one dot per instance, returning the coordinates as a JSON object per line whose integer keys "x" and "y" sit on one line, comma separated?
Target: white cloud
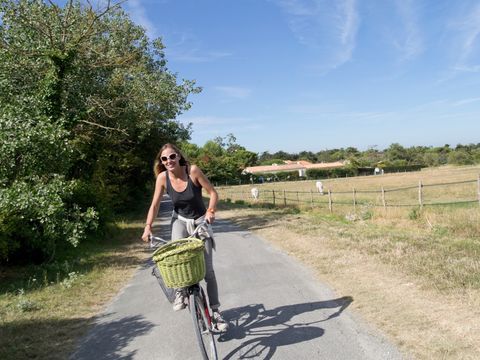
{"x": 139, "y": 15}
{"x": 327, "y": 27}
{"x": 412, "y": 44}
{"x": 208, "y": 127}
{"x": 348, "y": 30}
{"x": 196, "y": 55}
{"x": 471, "y": 32}
{"x": 234, "y": 92}
{"x": 466, "y": 34}
{"x": 186, "y": 47}
{"x": 466, "y": 101}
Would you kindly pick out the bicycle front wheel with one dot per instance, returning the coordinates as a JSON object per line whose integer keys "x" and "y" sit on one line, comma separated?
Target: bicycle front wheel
{"x": 202, "y": 325}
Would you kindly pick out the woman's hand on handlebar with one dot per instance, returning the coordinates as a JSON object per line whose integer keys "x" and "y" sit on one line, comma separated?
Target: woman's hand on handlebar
{"x": 146, "y": 233}
{"x": 210, "y": 217}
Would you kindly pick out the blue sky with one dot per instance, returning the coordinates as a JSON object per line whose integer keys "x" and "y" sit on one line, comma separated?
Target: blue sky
{"x": 311, "y": 75}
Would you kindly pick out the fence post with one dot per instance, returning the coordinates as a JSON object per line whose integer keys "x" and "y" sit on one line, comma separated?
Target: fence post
{"x": 284, "y": 198}
{"x": 384, "y": 203}
{"x": 329, "y": 200}
{"x": 311, "y": 196}
{"x": 273, "y": 196}
{"x": 354, "y": 201}
{"x": 298, "y": 199}
{"x": 420, "y": 198}
{"x": 478, "y": 188}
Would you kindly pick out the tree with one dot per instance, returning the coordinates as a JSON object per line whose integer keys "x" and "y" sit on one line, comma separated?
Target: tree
{"x": 86, "y": 100}
{"x": 223, "y": 160}
{"x": 460, "y": 157}
{"x": 307, "y": 155}
{"x": 396, "y": 152}
{"x": 370, "y": 157}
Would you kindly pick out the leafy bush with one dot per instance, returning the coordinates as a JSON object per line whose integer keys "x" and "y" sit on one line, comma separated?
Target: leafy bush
{"x": 401, "y": 168}
{"x": 278, "y": 176}
{"x": 24, "y": 304}
{"x": 31, "y": 145}
{"x": 414, "y": 214}
{"x": 331, "y": 173}
{"x": 36, "y": 216}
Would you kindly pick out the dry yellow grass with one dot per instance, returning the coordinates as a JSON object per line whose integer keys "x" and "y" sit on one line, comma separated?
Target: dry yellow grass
{"x": 401, "y": 189}
{"x": 388, "y": 280}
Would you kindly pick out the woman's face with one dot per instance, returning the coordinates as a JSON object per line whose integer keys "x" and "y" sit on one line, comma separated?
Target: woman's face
{"x": 169, "y": 158}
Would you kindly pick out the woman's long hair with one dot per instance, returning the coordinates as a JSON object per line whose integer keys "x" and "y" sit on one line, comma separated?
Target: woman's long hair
{"x": 158, "y": 166}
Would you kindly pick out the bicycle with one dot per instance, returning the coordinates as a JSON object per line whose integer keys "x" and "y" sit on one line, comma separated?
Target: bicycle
{"x": 197, "y": 304}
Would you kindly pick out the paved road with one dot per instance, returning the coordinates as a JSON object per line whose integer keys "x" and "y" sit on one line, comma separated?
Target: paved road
{"x": 277, "y": 310}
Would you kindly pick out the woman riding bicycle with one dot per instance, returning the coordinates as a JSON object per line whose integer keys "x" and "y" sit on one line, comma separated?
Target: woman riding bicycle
{"x": 183, "y": 183}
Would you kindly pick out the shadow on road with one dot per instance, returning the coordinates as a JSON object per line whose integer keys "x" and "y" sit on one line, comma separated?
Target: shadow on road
{"x": 110, "y": 339}
{"x": 246, "y": 222}
{"x": 266, "y": 330}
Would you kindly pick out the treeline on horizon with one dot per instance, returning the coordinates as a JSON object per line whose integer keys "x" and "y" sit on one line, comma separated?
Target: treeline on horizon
{"x": 394, "y": 155}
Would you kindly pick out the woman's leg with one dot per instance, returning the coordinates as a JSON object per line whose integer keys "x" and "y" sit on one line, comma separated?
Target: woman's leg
{"x": 179, "y": 229}
{"x": 210, "y": 279}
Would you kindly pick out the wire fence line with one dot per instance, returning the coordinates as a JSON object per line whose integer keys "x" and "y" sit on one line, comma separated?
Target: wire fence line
{"x": 437, "y": 194}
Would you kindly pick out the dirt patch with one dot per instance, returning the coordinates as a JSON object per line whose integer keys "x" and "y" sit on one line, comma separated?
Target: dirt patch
{"x": 425, "y": 322}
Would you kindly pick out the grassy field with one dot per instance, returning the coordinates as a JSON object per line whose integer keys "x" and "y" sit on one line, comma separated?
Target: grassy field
{"x": 458, "y": 186}
{"x": 414, "y": 273}
{"x": 399, "y": 190}
{"x": 44, "y": 310}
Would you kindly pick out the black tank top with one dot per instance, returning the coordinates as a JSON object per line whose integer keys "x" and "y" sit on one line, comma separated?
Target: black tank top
{"x": 189, "y": 202}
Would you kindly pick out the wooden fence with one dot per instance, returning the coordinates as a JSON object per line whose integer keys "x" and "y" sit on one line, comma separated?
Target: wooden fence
{"x": 451, "y": 193}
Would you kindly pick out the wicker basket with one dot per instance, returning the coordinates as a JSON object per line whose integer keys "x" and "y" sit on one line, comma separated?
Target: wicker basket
{"x": 181, "y": 262}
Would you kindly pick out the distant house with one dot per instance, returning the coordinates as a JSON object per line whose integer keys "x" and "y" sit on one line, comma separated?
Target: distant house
{"x": 301, "y": 166}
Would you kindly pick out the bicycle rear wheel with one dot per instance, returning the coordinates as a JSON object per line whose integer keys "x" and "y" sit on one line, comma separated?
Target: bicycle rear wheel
{"x": 202, "y": 326}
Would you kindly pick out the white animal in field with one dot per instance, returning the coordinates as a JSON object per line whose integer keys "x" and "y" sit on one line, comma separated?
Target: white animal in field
{"x": 319, "y": 187}
{"x": 254, "y": 192}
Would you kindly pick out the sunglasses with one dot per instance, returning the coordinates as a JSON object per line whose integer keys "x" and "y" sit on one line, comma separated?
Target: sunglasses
{"x": 172, "y": 156}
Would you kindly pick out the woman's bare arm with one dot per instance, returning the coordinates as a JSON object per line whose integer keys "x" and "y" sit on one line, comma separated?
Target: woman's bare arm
{"x": 155, "y": 205}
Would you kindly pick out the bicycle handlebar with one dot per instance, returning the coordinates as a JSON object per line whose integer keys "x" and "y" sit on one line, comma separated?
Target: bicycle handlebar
{"x": 152, "y": 238}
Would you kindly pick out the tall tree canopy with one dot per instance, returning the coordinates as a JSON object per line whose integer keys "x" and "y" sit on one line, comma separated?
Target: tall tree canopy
{"x": 86, "y": 99}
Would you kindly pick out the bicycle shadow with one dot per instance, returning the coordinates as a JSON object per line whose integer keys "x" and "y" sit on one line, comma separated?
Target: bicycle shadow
{"x": 266, "y": 330}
